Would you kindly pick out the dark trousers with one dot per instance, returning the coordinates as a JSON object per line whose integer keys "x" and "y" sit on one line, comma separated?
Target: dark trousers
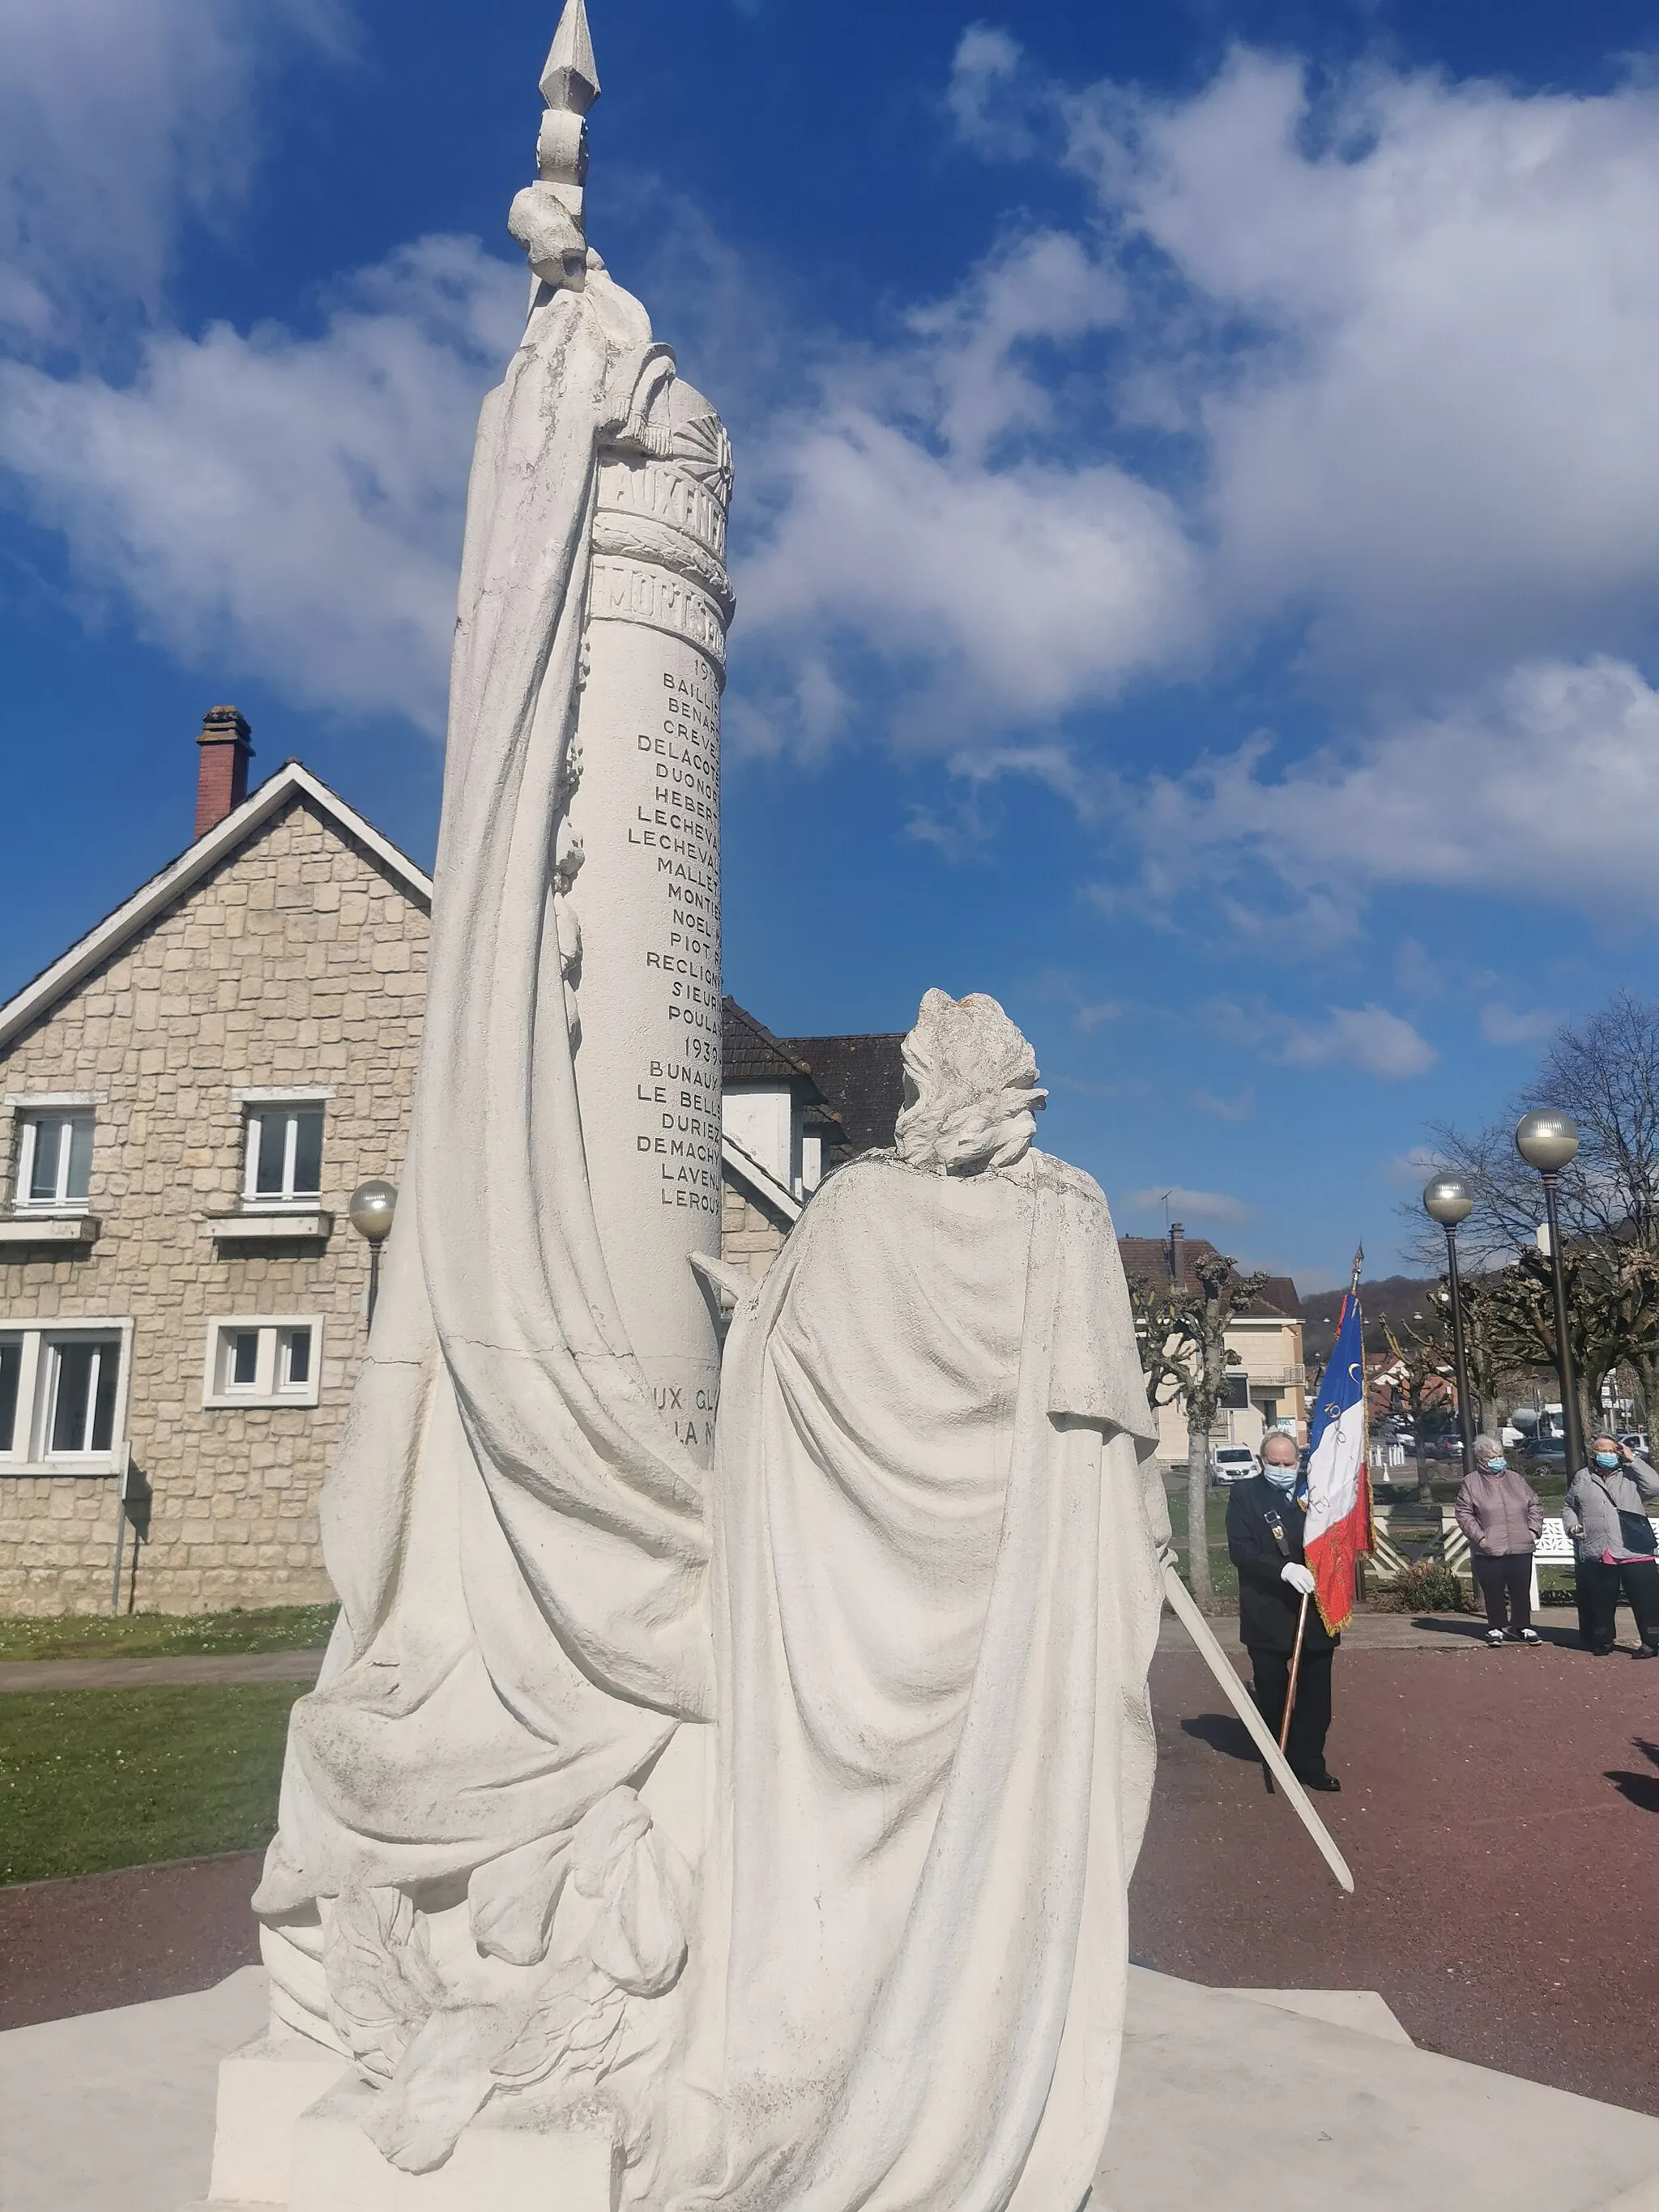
{"x": 1311, "y": 1716}
{"x": 1599, "y": 1586}
{"x": 1504, "y": 1580}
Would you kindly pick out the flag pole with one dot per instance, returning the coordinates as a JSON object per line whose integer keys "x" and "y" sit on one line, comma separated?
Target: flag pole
{"x": 1296, "y": 1670}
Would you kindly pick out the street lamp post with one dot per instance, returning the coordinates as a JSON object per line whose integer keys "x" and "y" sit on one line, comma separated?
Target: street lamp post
{"x": 372, "y": 1206}
{"x": 1448, "y": 1201}
{"x": 1546, "y": 1140}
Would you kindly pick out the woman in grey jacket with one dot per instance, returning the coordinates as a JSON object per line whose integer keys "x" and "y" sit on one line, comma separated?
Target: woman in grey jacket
{"x": 1606, "y": 1514}
{"x": 1498, "y": 1510}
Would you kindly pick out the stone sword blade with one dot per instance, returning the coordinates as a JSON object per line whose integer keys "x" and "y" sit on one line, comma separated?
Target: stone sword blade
{"x": 1186, "y": 1612}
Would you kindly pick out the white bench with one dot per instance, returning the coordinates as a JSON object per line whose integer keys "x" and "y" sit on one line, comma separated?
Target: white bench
{"x": 1554, "y": 1548}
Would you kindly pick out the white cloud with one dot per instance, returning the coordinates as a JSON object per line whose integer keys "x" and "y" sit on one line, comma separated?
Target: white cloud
{"x": 1545, "y": 782}
{"x": 1239, "y": 1108}
{"x": 119, "y": 119}
{"x": 1426, "y": 317}
{"x": 1213, "y": 1205}
{"x": 1501, "y": 1024}
{"x": 1411, "y": 1171}
{"x": 1368, "y": 1038}
{"x": 289, "y": 504}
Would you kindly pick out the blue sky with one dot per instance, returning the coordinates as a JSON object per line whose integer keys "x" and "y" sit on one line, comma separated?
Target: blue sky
{"x": 1197, "y": 527}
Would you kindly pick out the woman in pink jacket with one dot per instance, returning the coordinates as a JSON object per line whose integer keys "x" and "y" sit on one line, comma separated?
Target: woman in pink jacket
{"x": 1499, "y": 1512}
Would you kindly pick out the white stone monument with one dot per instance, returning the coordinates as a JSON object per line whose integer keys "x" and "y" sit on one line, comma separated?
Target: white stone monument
{"x": 757, "y": 1840}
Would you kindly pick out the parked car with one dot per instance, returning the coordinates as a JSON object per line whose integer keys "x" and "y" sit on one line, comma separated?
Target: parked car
{"x": 1636, "y": 1440}
{"x": 1233, "y": 1463}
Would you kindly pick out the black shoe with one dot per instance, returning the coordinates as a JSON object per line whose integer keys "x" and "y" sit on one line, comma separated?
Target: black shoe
{"x": 1601, "y": 1650}
{"x": 1325, "y": 1782}
{"x": 1648, "y": 1652}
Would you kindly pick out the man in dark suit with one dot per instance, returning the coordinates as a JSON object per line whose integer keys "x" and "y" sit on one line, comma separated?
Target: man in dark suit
{"x": 1264, "y": 1538}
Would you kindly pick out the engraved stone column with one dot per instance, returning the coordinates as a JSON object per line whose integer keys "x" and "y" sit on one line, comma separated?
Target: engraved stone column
{"x": 647, "y": 812}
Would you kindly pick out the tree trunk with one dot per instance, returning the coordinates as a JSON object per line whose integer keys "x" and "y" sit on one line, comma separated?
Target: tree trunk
{"x": 1198, "y": 1508}
{"x": 1647, "y": 1374}
{"x": 1425, "y": 1495}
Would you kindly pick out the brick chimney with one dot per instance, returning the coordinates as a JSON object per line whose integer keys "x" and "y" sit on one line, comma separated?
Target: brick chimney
{"x": 1177, "y": 1255}
{"x": 221, "y": 774}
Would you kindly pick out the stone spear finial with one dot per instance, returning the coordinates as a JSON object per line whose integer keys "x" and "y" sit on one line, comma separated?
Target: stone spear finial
{"x": 570, "y": 85}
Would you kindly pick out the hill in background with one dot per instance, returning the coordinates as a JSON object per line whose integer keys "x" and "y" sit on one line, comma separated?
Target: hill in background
{"x": 1391, "y": 1297}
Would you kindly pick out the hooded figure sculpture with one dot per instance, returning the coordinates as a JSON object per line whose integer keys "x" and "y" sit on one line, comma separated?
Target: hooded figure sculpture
{"x": 939, "y": 1531}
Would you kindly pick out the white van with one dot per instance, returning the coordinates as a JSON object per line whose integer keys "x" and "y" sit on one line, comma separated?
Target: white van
{"x": 1233, "y": 1463}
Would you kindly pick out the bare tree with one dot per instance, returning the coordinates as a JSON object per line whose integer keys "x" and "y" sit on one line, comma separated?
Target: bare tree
{"x": 1605, "y": 1072}
{"x": 1181, "y": 1329}
{"x": 1420, "y": 1375}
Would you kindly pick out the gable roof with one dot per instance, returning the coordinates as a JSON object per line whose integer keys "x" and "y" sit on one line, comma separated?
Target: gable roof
{"x": 750, "y": 1054}
{"x": 1147, "y": 1262}
{"x": 863, "y": 1078}
{"x": 179, "y": 876}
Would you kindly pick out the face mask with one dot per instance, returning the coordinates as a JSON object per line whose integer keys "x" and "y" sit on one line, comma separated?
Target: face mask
{"x": 1282, "y": 1478}
{"x": 1609, "y": 1460}
{"x": 1496, "y": 1466}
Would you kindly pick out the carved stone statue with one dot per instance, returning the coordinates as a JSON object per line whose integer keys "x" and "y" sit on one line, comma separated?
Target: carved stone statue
{"x": 757, "y": 1839}
{"x": 468, "y": 1893}
{"x": 938, "y": 1538}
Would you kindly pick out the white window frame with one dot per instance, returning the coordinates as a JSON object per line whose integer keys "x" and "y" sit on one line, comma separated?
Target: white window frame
{"x": 274, "y": 1330}
{"x": 30, "y": 1451}
{"x": 254, "y": 1104}
{"x": 31, "y": 1114}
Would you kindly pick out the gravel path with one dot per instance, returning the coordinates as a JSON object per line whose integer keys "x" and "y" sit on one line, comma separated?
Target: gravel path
{"x": 153, "y": 1674}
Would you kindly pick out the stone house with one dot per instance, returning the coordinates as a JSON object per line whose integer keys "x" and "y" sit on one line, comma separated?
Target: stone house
{"x": 1268, "y": 1388}
{"x": 189, "y": 1095}
{"x": 187, "y": 1099}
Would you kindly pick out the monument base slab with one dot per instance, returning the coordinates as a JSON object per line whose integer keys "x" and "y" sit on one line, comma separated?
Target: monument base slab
{"x": 288, "y": 2137}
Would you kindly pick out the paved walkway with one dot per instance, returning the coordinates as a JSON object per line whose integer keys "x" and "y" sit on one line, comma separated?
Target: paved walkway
{"x": 1405, "y": 1632}
{"x": 158, "y": 1674}
{"x": 1501, "y": 1817}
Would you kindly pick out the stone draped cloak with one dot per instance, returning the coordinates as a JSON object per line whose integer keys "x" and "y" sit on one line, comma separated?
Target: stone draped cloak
{"x": 936, "y": 1591}
{"x": 518, "y": 1539}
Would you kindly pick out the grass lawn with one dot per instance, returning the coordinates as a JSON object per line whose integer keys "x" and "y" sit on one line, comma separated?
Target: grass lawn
{"x": 164, "y": 1635}
{"x": 1223, "y": 1573}
{"x": 91, "y": 1779}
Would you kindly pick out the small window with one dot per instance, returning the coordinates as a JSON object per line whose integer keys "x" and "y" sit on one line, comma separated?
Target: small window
{"x": 284, "y": 1161}
{"x": 54, "y": 1167}
{"x": 12, "y": 1375}
{"x": 263, "y": 1361}
{"x": 61, "y": 1394}
{"x": 80, "y": 1406}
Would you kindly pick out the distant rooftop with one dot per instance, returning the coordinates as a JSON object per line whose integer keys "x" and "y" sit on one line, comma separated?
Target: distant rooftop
{"x": 1147, "y": 1262}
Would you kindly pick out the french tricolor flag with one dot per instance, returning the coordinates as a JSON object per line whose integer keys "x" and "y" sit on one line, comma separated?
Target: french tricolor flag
{"x": 1338, "y": 1527}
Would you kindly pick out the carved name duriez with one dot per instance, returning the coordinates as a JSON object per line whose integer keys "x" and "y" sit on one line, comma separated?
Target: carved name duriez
{"x": 743, "y": 1839}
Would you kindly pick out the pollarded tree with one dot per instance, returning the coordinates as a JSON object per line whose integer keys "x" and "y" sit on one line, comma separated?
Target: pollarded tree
{"x": 1181, "y": 1329}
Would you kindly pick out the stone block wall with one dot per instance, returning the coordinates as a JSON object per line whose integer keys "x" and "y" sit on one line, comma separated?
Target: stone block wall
{"x": 301, "y": 961}
{"x": 751, "y": 1234}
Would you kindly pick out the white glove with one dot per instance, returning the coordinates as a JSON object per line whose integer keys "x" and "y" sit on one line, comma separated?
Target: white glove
{"x": 1300, "y": 1580}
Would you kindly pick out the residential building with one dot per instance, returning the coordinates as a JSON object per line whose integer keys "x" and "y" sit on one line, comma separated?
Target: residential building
{"x": 188, "y": 1098}
{"x": 1267, "y": 1387}
{"x": 189, "y": 1094}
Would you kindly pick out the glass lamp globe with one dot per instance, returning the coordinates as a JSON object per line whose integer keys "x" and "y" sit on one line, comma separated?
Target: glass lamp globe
{"x": 371, "y": 1207}
{"x": 1448, "y": 1199}
{"x": 1547, "y": 1140}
